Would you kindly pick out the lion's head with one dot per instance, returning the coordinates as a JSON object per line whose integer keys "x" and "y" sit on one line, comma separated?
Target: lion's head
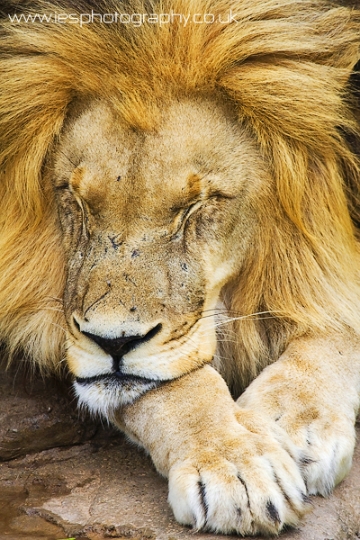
{"x": 155, "y": 223}
{"x": 149, "y": 171}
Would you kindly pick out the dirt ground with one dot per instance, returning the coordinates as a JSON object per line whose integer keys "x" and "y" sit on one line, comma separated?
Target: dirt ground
{"x": 63, "y": 475}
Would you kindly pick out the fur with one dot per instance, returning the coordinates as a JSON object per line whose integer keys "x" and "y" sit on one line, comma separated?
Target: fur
{"x": 278, "y": 82}
{"x": 290, "y": 85}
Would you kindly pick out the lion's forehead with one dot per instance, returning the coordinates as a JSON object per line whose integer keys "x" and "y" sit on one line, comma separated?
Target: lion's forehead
{"x": 197, "y": 147}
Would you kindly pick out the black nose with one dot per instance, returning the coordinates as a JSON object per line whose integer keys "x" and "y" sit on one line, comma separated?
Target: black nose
{"x": 117, "y": 347}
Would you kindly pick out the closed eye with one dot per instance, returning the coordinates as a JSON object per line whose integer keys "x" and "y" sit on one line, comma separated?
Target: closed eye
{"x": 62, "y": 187}
{"x": 184, "y": 215}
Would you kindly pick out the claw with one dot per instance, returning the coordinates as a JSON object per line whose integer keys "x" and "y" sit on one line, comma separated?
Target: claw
{"x": 203, "y": 502}
{"x": 273, "y": 513}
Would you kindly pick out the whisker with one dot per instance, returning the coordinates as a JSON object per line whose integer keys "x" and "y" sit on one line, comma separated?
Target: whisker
{"x": 226, "y": 310}
{"x": 55, "y": 298}
{"x": 272, "y": 313}
{"x": 59, "y": 326}
{"x": 232, "y": 319}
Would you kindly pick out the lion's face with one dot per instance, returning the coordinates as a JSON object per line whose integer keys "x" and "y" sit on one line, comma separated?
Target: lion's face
{"x": 154, "y": 225}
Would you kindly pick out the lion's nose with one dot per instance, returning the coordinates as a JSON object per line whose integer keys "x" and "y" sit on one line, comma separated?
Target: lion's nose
{"x": 119, "y": 346}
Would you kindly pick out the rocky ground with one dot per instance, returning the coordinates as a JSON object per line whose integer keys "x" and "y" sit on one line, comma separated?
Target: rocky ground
{"x": 63, "y": 475}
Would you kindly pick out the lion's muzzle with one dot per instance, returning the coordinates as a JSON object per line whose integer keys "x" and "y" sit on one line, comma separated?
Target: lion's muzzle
{"x": 114, "y": 363}
{"x": 119, "y": 346}
{"x": 112, "y": 387}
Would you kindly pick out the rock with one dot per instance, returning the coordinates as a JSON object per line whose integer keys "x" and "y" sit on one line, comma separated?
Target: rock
{"x": 38, "y": 413}
{"x": 107, "y": 488}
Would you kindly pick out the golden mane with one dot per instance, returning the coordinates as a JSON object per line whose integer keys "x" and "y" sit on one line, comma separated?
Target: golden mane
{"x": 285, "y": 64}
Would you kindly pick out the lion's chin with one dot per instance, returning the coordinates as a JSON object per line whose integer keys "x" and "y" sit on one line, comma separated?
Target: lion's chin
{"x": 105, "y": 393}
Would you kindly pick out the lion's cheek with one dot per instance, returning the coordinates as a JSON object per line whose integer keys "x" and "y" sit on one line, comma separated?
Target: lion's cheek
{"x": 167, "y": 367}
{"x": 180, "y": 359}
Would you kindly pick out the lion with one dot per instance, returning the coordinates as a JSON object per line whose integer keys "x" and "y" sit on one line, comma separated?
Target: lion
{"x": 179, "y": 199}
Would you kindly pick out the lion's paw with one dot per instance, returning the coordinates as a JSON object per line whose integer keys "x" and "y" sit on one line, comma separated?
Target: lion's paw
{"x": 327, "y": 455}
{"x": 250, "y": 484}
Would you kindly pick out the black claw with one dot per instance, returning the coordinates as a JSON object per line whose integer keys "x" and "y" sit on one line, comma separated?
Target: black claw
{"x": 203, "y": 501}
{"x": 306, "y": 499}
{"x": 272, "y": 512}
{"x": 246, "y": 490}
{"x": 281, "y": 487}
{"x": 306, "y": 460}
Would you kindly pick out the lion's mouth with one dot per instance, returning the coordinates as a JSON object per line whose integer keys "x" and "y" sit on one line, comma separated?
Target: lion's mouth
{"x": 117, "y": 377}
{"x": 104, "y": 393}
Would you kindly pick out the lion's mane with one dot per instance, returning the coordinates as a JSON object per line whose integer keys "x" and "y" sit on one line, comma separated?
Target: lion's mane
{"x": 284, "y": 64}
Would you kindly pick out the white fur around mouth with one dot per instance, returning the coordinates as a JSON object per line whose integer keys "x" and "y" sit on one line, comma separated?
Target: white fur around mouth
{"x": 102, "y": 395}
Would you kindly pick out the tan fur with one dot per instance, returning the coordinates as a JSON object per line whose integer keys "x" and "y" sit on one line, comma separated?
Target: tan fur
{"x": 148, "y": 172}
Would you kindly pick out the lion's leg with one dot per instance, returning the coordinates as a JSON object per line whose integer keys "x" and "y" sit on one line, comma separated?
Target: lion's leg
{"x": 313, "y": 392}
{"x": 241, "y": 468}
{"x": 230, "y": 470}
